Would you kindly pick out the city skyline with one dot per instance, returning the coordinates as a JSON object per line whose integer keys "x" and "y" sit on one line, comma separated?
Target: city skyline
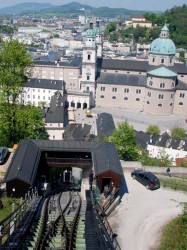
{"x": 153, "y": 5}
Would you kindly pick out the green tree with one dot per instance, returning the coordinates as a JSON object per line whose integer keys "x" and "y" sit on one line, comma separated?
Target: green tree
{"x": 124, "y": 138}
{"x": 14, "y": 65}
{"x": 111, "y": 27}
{"x": 153, "y": 129}
{"x": 30, "y": 123}
{"x": 177, "y": 132}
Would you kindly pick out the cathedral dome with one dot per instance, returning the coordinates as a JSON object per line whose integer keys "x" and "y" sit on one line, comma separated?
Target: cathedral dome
{"x": 163, "y": 45}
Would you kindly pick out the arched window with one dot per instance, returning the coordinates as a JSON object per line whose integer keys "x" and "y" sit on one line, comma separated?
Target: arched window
{"x": 102, "y": 96}
{"x": 137, "y": 99}
{"x": 180, "y": 103}
{"x": 113, "y": 97}
{"x": 125, "y": 98}
{"x": 89, "y": 57}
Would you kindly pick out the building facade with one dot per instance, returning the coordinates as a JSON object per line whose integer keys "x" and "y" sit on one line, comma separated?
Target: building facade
{"x": 157, "y": 86}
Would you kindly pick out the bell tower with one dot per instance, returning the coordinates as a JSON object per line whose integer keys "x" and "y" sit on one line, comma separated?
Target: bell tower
{"x": 89, "y": 61}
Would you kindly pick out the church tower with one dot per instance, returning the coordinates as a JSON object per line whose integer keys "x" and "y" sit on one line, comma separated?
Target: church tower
{"x": 89, "y": 66}
{"x": 99, "y": 40}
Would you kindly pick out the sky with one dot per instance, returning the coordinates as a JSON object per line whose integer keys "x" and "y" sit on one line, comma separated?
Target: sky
{"x": 154, "y": 5}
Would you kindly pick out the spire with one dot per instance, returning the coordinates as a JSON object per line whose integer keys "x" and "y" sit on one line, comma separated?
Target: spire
{"x": 164, "y": 32}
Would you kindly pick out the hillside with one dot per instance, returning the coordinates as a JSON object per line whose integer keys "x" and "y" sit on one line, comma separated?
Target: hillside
{"x": 25, "y": 8}
{"x": 68, "y": 10}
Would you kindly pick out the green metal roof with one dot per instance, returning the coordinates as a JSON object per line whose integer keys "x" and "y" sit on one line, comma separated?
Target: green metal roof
{"x": 163, "y": 72}
{"x": 90, "y": 33}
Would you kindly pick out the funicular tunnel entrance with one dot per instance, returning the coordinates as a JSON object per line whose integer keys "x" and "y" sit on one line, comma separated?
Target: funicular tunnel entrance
{"x": 58, "y": 167}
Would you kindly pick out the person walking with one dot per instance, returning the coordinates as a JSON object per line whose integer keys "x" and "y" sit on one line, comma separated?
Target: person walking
{"x": 168, "y": 171}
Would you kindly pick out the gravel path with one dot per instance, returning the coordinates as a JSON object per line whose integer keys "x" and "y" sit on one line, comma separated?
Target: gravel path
{"x": 139, "y": 218}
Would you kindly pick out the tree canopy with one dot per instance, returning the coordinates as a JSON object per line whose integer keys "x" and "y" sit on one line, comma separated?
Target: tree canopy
{"x": 153, "y": 129}
{"x": 17, "y": 121}
{"x": 124, "y": 138}
{"x": 177, "y": 132}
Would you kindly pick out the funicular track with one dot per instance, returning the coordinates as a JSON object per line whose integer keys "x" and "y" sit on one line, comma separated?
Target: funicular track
{"x": 56, "y": 226}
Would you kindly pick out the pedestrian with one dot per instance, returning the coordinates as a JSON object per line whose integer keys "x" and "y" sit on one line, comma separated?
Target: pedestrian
{"x": 168, "y": 171}
{"x": 106, "y": 191}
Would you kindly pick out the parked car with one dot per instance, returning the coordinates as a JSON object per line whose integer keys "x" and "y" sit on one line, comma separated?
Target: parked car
{"x": 3, "y": 154}
{"x": 148, "y": 179}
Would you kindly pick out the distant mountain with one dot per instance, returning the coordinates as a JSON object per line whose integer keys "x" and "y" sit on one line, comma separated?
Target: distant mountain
{"x": 68, "y": 10}
{"x": 25, "y": 8}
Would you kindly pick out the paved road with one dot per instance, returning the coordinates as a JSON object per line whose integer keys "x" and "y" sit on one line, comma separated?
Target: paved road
{"x": 141, "y": 121}
{"x": 139, "y": 218}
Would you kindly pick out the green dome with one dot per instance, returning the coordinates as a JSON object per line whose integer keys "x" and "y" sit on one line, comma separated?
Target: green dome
{"x": 90, "y": 33}
{"x": 163, "y": 45}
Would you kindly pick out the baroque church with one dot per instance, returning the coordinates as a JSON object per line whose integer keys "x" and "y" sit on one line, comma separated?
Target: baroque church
{"x": 157, "y": 86}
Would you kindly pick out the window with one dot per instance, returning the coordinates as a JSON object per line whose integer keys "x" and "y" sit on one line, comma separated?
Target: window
{"x": 89, "y": 57}
{"x": 162, "y": 60}
{"x": 171, "y": 104}
{"x": 87, "y": 88}
{"x": 160, "y": 105}
{"x": 43, "y": 97}
{"x": 171, "y": 95}
{"x": 43, "y": 90}
{"x": 126, "y": 90}
{"x": 138, "y": 91}
{"x": 49, "y": 91}
{"x": 140, "y": 73}
{"x": 148, "y": 102}
{"x": 53, "y": 136}
{"x": 125, "y": 98}
{"x": 162, "y": 85}
{"x": 114, "y": 89}
{"x": 137, "y": 99}
{"x": 33, "y": 90}
{"x": 150, "y": 83}
{"x": 153, "y": 59}
{"x": 181, "y": 103}
{"x": 28, "y": 96}
{"x": 128, "y": 72}
{"x": 170, "y": 60}
{"x": 49, "y": 98}
{"x": 182, "y": 95}
{"x": 113, "y": 97}
{"x": 33, "y": 96}
{"x": 38, "y": 90}
{"x": 58, "y": 124}
{"x": 116, "y": 71}
{"x": 38, "y": 97}
{"x": 161, "y": 97}
{"x": 102, "y": 96}
{"x": 102, "y": 88}
{"x": 149, "y": 94}
{"x": 173, "y": 84}
{"x": 88, "y": 77}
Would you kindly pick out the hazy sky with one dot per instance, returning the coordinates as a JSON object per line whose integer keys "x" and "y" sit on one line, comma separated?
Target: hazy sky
{"x": 160, "y": 5}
